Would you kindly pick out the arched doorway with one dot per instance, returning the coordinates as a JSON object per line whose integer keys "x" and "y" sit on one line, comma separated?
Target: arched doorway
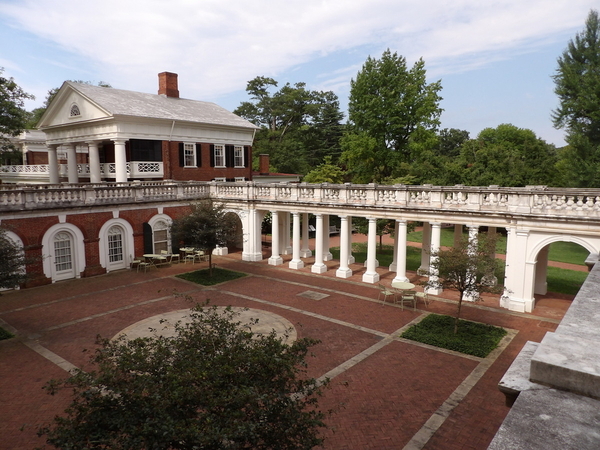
{"x": 64, "y": 252}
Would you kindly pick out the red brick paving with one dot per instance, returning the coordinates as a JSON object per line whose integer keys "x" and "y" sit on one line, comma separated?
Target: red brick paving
{"x": 381, "y": 402}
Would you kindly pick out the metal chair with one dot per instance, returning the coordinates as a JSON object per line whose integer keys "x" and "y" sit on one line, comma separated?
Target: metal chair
{"x": 408, "y": 297}
{"x": 423, "y": 296}
{"x": 386, "y": 292}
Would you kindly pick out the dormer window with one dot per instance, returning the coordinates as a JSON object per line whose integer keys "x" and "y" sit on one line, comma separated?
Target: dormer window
{"x": 75, "y": 111}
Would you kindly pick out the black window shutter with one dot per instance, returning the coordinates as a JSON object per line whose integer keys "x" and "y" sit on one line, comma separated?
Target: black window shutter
{"x": 148, "y": 244}
{"x": 199, "y": 155}
{"x": 229, "y": 156}
{"x": 246, "y": 156}
{"x": 212, "y": 155}
{"x": 181, "y": 158}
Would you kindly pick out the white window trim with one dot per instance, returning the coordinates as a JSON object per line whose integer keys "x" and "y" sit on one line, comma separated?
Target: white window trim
{"x": 220, "y": 179}
{"x": 190, "y": 147}
{"x": 220, "y": 147}
{"x": 238, "y": 179}
{"x": 239, "y": 148}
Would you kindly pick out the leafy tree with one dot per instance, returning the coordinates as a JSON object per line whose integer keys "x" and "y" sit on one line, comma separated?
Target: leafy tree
{"x": 12, "y": 262}
{"x": 299, "y": 127}
{"x": 208, "y": 226}
{"x": 13, "y": 116}
{"x": 577, "y": 80}
{"x": 384, "y": 226}
{"x": 325, "y": 173}
{"x": 213, "y": 385}
{"x": 506, "y": 156}
{"x": 467, "y": 268}
{"x": 388, "y": 103}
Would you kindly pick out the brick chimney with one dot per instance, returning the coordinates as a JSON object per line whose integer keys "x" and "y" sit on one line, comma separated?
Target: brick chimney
{"x": 263, "y": 164}
{"x": 167, "y": 84}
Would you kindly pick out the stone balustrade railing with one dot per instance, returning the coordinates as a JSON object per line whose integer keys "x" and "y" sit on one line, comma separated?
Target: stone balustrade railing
{"x": 536, "y": 200}
{"x": 137, "y": 169}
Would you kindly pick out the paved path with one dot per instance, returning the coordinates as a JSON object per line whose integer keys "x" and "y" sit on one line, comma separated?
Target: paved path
{"x": 388, "y": 393}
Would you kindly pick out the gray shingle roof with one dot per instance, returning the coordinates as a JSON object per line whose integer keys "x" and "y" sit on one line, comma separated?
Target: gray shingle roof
{"x": 139, "y": 104}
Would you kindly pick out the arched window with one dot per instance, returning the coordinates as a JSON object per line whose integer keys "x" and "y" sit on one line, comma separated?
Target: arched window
{"x": 75, "y": 111}
{"x": 115, "y": 244}
{"x": 63, "y": 257}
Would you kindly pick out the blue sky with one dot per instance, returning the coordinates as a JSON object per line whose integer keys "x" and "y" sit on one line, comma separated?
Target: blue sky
{"x": 495, "y": 58}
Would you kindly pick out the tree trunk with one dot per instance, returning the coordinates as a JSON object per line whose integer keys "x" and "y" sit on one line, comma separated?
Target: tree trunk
{"x": 210, "y": 267}
{"x": 460, "y": 293}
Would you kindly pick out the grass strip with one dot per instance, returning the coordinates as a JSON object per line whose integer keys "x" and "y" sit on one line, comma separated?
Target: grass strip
{"x": 5, "y": 334}
{"x": 203, "y": 276}
{"x": 473, "y": 338}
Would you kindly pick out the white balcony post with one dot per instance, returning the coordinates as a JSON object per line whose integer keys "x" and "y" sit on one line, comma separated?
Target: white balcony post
{"x": 371, "y": 275}
{"x": 344, "y": 271}
{"x": 305, "y": 251}
{"x": 275, "y": 259}
{"x": 296, "y": 262}
{"x": 319, "y": 266}
{"x": 94, "y": 162}
{"x": 327, "y": 256}
{"x": 72, "y": 164}
{"x": 401, "y": 232}
{"x": 53, "y": 164}
{"x": 436, "y": 234}
{"x": 120, "y": 161}
{"x": 285, "y": 234}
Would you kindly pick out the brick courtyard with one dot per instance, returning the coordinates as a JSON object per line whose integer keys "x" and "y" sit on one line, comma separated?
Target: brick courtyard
{"x": 388, "y": 393}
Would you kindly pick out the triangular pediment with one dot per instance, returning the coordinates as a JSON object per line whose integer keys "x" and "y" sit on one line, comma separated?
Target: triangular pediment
{"x": 70, "y": 107}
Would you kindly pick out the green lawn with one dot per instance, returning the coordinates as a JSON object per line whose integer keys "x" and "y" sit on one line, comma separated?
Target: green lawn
{"x": 219, "y": 276}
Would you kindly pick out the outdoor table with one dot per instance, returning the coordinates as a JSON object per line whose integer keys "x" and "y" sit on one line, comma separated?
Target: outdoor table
{"x": 403, "y": 285}
{"x": 155, "y": 259}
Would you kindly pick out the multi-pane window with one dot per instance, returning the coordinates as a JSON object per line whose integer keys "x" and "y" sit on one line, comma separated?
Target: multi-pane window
{"x": 238, "y": 156}
{"x": 219, "y": 155}
{"x": 161, "y": 236}
{"x": 115, "y": 244}
{"x": 189, "y": 155}
{"x": 62, "y": 252}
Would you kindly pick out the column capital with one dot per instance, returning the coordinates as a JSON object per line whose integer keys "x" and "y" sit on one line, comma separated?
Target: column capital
{"x": 120, "y": 141}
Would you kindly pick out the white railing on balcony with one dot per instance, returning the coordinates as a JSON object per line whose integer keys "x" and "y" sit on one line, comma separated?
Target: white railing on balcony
{"x": 135, "y": 169}
{"x": 538, "y": 201}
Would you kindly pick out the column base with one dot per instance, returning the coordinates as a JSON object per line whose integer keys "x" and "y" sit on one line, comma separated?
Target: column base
{"x": 306, "y": 253}
{"x": 318, "y": 268}
{"x": 220, "y": 251}
{"x": 400, "y": 279}
{"x": 434, "y": 291}
{"x": 252, "y": 257}
{"x": 376, "y": 263}
{"x": 370, "y": 277}
{"x": 299, "y": 264}
{"x": 343, "y": 273}
{"x": 393, "y": 267}
{"x": 327, "y": 256}
{"x": 517, "y": 304}
{"x": 275, "y": 260}
{"x": 351, "y": 260}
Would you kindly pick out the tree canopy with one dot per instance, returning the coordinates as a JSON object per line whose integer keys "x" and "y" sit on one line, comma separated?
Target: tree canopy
{"x": 208, "y": 226}
{"x": 577, "y": 80}
{"x": 388, "y": 103}
{"x": 13, "y": 116}
{"x": 12, "y": 262}
{"x": 213, "y": 385}
{"x": 299, "y": 127}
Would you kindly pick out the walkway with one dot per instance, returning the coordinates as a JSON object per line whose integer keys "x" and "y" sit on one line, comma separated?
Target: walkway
{"x": 388, "y": 393}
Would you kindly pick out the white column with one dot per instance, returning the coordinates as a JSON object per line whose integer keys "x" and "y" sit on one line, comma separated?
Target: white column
{"x": 252, "y": 236}
{"x": 351, "y": 259}
{"x": 53, "y": 164}
{"x": 472, "y": 295}
{"x": 394, "y": 265}
{"x": 425, "y": 248}
{"x": 305, "y": 251}
{"x": 95, "y": 176}
{"x": 120, "y": 161}
{"x": 541, "y": 270}
{"x": 520, "y": 273}
{"x": 371, "y": 275}
{"x": 285, "y": 234}
{"x": 296, "y": 262}
{"x": 319, "y": 266}
{"x": 344, "y": 271}
{"x": 436, "y": 233}
{"x": 401, "y": 232}
{"x": 72, "y": 163}
{"x": 275, "y": 259}
{"x": 327, "y": 256}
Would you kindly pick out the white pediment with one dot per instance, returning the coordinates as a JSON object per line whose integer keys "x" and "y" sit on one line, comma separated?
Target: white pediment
{"x": 71, "y": 107}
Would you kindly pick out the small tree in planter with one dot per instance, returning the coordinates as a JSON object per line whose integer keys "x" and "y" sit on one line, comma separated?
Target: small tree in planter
{"x": 468, "y": 268}
{"x": 207, "y": 227}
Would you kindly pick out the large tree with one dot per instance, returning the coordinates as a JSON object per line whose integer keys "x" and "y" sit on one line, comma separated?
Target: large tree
{"x": 213, "y": 385}
{"x": 208, "y": 226}
{"x": 577, "y": 81}
{"x": 388, "y": 103}
{"x": 13, "y": 116}
{"x": 299, "y": 127}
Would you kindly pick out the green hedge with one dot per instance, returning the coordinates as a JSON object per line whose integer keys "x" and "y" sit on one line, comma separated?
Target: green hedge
{"x": 473, "y": 338}
{"x": 219, "y": 276}
{"x": 5, "y": 334}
